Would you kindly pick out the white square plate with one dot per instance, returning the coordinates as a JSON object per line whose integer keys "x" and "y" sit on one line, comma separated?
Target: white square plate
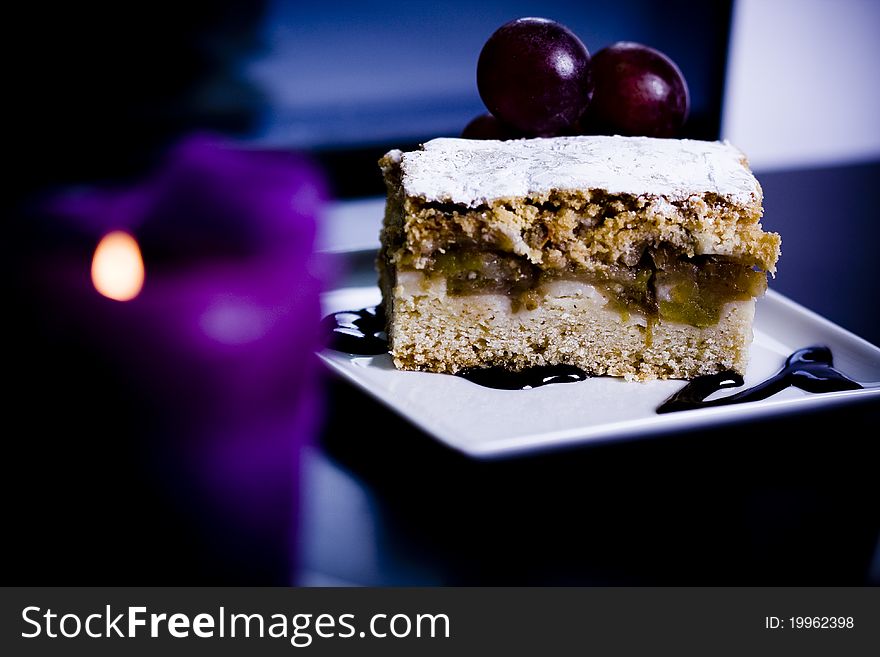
{"x": 487, "y": 423}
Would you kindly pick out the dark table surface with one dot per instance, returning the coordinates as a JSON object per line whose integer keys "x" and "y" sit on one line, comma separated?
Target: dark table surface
{"x": 786, "y": 501}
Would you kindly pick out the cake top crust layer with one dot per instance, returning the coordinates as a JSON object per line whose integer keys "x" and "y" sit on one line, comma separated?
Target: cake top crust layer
{"x": 475, "y": 172}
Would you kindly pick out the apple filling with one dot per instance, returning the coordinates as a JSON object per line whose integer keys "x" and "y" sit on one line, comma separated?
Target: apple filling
{"x": 663, "y": 284}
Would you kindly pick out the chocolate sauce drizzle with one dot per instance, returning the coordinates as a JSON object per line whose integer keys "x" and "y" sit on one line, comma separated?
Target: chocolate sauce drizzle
{"x": 362, "y": 332}
{"x": 810, "y": 369}
{"x": 531, "y": 377}
{"x": 359, "y": 332}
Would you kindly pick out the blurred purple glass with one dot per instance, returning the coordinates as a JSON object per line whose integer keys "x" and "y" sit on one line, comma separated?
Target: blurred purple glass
{"x": 219, "y": 344}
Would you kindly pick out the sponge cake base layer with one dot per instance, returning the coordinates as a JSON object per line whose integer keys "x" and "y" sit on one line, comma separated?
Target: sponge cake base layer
{"x": 572, "y": 324}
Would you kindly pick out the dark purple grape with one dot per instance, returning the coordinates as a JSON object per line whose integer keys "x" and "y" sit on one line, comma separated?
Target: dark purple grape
{"x": 534, "y": 74}
{"x": 486, "y": 126}
{"x": 637, "y": 91}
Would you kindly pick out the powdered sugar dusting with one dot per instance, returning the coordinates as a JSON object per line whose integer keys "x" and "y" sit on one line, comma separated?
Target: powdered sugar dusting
{"x": 474, "y": 172}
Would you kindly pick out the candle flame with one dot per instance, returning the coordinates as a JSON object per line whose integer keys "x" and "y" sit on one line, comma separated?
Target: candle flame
{"x": 117, "y": 267}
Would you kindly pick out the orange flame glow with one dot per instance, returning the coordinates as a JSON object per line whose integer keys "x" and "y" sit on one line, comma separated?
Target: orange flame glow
{"x": 117, "y": 267}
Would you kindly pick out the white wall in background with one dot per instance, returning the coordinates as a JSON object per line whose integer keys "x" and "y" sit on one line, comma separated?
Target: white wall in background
{"x": 803, "y": 82}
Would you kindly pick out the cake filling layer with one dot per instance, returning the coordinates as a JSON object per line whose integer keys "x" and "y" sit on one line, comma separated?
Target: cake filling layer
{"x": 663, "y": 284}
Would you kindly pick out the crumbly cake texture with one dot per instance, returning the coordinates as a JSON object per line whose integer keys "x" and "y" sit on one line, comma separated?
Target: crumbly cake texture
{"x": 569, "y": 206}
{"x": 433, "y": 331}
{"x": 582, "y": 202}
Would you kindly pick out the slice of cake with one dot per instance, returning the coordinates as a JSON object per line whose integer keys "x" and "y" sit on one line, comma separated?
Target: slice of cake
{"x": 624, "y": 256}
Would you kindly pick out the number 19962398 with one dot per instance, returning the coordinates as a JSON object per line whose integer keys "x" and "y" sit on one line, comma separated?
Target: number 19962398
{"x": 821, "y": 622}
